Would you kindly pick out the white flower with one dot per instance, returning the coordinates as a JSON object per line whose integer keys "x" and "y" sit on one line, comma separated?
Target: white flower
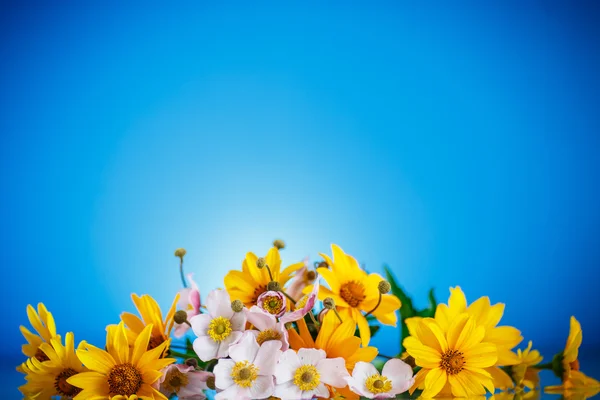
{"x": 396, "y": 377}
{"x": 249, "y": 372}
{"x": 218, "y": 329}
{"x": 268, "y": 327}
{"x": 303, "y": 375}
{"x": 184, "y": 381}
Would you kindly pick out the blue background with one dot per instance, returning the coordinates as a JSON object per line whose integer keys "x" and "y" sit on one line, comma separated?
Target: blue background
{"x": 456, "y": 143}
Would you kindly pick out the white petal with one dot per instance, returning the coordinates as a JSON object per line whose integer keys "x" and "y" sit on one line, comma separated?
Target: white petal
{"x": 238, "y": 321}
{"x": 288, "y": 364}
{"x": 288, "y": 391}
{"x": 223, "y": 374}
{"x": 362, "y": 370}
{"x": 262, "y": 387}
{"x": 225, "y": 345}
{"x": 234, "y": 392}
{"x": 218, "y": 304}
{"x": 206, "y": 348}
{"x": 358, "y": 387}
{"x": 244, "y": 350}
{"x": 333, "y": 371}
{"x": 200, "y": 324}
{"x": 319, "y": 391}
{"x": 260, "y": 319}
{"x": 285, "y": 336}
{"x": 311, "y": 356}
{"x": 267, "y": 357}
{"x": 400, "y": 373}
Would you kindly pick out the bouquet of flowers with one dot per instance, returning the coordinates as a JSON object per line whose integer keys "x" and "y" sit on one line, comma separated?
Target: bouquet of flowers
{"x": 301, "y": 332}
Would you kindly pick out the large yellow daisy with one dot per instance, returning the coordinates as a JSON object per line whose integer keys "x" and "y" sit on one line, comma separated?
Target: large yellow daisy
{"x": 453, "y": 361}
{"x": 249, "y": 283}
{"x": 354, "y": 291}
{"x": 43, "y": 323}
{"x": 337, "y": 340}
{"x": 121, "y": 370}
{"x": 151, "y": 315}
{"x": 49, "y": 378}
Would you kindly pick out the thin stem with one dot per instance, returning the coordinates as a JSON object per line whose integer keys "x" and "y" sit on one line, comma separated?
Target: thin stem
{"x": 288, "y": 296}
{"x": 315, "y": 323}
{"x": 337, "y": 315}
{"x": 543, "y": 366}
{"x": 377, "y": 305}
{"x": 269, "y": 270}
{"x": 181, "y": 273}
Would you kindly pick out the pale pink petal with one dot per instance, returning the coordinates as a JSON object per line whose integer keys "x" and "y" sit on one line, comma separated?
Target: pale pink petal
{"x": 358, "y": 387}
{"x": 223, "y": 374}
{"x": 262, "y": 387}
{"x": 288, "y": 391}
{"x": 238, "y": 321}
{"x": 400, "y": 373}
{"x": 320, "y": 391}
{"x": 311, "y": 356}
{"x": 260, "y": 319}
{"x": 184, "y": 298}
{"x": 267, "y": 357}
{"x": 180, "y": 330}
{"x": 333, "y": 371}
{"x": 206, "y": 348}
{"x": 194, "y": 297}
{"x": 200, "y": 324}
{"x": 362, "y": 370}
{"x": 218, "y": 304}
{"x": 224, "y": 346}
{"x": 285, "y": 337}
{"x": 299, "y": 314}
{"x": 288, "y": 364}
{"x": 298, "y": 283}
{"x": 234, "y": 392}
{"x": 246, "y": 349}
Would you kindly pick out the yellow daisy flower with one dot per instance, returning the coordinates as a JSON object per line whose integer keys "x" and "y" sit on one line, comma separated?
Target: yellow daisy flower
{"x": 504, "y": 337}
{"x": 453, "y": 361}
{"x": 337, "y": 340}
{"x": 249, "y": 283}
{"x": 151, "y": 315}
{"x": 354, "y": 291}
{"x": 43, "y": 323}
{"x": 523, "y": 373}
{"x": 49, "y": 378}
{"x": 570, "y": 361}
{"x": 121, "y": 372}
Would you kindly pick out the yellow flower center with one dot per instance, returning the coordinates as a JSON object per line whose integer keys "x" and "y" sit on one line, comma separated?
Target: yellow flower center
{"x": 124, "y": 379}
{"x": 452, "y": 361}
{"x": 378, "y": 384}
{"x": 219, "y": 328}
{"x": 353, "y": 293}
{"x": 243, "y": 373}
{"x": 266, "y": 335}
{"x": 63, "y": 388}
{"x": 175, "y": 380}
{"x": 272, "y": 304}
{"x": 41, "y": 356}
{"x": 154, "y": 342}
{"x": 307, "y": 377}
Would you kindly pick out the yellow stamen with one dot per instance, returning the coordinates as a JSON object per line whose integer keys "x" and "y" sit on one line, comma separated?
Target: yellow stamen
{"x": 243, "y": 373}
{"x": 272, "y": 304}
{"x": 452, "y": 361}
{"x": 353, "y": 293}
{"x": 219, "y": 329}
{"x": 307, "y": 377}
{"x": 266, "y": 335}
{"x": 124, "y": 379}
{"x": 63, "y": 388}
{"x": 378, "y": 384}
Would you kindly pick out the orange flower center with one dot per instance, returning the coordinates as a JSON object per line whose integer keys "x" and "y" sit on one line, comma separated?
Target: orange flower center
{"x": 257, "y": 292}
{"x": 63, "y": 388}
{"x": 452, "y": 361}
{"x": 574, "y": 365}
{"x": 154, "y": 342}
{"x": 124, "y": 379}
{"x": 353, "y": 293}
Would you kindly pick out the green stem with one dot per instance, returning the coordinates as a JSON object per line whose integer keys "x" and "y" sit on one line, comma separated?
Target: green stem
{"x": 288, "y": 296}
{"x": 181, "y": 273}
{"x": 543, "y": 366}
{"x": 269, "y": 271}
{"x": 377, "y": 305}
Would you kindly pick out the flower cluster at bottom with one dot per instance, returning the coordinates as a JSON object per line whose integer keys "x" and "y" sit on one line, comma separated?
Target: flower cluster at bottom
{"x": 295, "y": 333}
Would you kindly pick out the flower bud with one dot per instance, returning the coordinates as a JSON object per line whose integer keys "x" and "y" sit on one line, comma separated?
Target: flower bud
{"x": 384, "y": 287}
{"x": 261, "y": 263}
{"x": 210, "y": 382}
{"x": 311, "y": 276}
{"x": 191, "y": 362}
{"x": 280, "y": 244}
{"x": 180, "y": 252}
{"x": 328, "y": 303}
{"x": 237, "y": 305}
{"x": 274, "y": 286}
{"x": 180, "y": 317}
{"x": 322, "y": 264}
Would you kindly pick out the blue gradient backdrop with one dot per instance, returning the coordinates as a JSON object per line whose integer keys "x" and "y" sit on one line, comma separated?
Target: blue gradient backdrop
{"x": 457, "y": 143}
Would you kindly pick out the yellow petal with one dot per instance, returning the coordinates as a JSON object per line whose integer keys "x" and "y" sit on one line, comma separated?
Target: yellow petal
{"x": 93, "y": 381}
{"x": 481, "y": 355}
{"x": 434, "y": 382}
{"x": 431, "y": 335}
{"x": 363, "y": 326}
{"x": 573, "y": 341}
{"x": 457, "y": 301}
{"x": 96, "y": 359}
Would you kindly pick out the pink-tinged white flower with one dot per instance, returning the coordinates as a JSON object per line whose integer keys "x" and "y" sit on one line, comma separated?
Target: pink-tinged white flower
{"x": 303, "y": 278}
{"x": 268, "y": 328}
{"x": 184, "y": 381}
{"x": 189, "y": 301}
{"x": 218, "y": 329}
{"x": 303, "y": 306}
{"x": 272, "y": 302}
{"x": 396, "y": 377}
{"x": 305, "y": 374}
{"x": 249, "y": 372}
